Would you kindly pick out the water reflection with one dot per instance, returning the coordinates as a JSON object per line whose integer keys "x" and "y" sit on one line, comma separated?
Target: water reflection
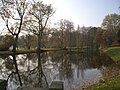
{"x": 73, "y": 69}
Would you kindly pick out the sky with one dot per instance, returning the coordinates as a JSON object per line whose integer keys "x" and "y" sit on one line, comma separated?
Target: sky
{"x": 84, "y": 12}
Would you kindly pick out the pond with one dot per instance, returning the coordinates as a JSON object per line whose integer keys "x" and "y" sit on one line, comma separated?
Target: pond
{"x": 74, "y": 69}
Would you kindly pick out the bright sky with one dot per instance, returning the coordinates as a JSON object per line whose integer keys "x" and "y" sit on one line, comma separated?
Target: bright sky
{"x": 84, "y": 12}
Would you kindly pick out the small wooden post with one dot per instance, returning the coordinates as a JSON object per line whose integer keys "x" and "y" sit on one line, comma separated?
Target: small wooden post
{"x": 30, "y": 88}
{"x": 56, "y": 85}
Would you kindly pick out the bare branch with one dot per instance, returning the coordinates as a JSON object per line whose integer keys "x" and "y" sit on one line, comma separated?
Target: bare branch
{"x": 8, "y": 27}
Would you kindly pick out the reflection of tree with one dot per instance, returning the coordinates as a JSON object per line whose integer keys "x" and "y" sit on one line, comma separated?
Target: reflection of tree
{"x": 95, "y": 60}
{"x": 31, "y": 74}
{"x": 56, "y": 66}
{"x": 65, "y": 69}
{"x": 31, "y": 77}
{"x": 7, "y": 71}
{"x": 8, "y": 62}
{"x": 82, "y": 61}
{"x": 28, "y": 59}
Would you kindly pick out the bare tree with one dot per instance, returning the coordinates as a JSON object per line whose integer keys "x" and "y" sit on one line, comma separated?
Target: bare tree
{"x": 36, "y": 22}
{"x": 66, "y": 27}
{"x": 12, "y": 12}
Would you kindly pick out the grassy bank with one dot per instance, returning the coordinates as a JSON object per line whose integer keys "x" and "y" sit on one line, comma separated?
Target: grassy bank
{"x": 113, "y": 52}
{"x": 112, "y": 83}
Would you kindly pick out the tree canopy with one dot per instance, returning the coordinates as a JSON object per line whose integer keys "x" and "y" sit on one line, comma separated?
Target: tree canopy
{"x": 111, "y": 22}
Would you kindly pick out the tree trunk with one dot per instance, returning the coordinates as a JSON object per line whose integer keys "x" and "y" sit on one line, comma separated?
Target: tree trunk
{"x": 14, "y": 58}
{"x": 40, "y": 72}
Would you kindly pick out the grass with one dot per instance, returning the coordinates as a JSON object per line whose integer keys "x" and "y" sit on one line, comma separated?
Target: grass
{"x": 112, "y": 83}
{"x": 113, "y": 52}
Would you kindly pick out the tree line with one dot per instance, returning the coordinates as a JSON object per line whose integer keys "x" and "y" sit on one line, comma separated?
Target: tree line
{"x": 65, "y": 35}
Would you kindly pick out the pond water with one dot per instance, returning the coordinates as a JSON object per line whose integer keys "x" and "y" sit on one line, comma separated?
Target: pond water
{"x": 74, "y": 69}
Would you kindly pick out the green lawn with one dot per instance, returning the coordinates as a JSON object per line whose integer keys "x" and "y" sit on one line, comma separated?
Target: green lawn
{"x": 113, "y": 52}
{"x": 111, "y": 84}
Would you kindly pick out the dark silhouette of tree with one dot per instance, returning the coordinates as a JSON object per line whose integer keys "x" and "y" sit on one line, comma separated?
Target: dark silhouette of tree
{"x": 12, "y": 13}
{"x": 38, "y": 16}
